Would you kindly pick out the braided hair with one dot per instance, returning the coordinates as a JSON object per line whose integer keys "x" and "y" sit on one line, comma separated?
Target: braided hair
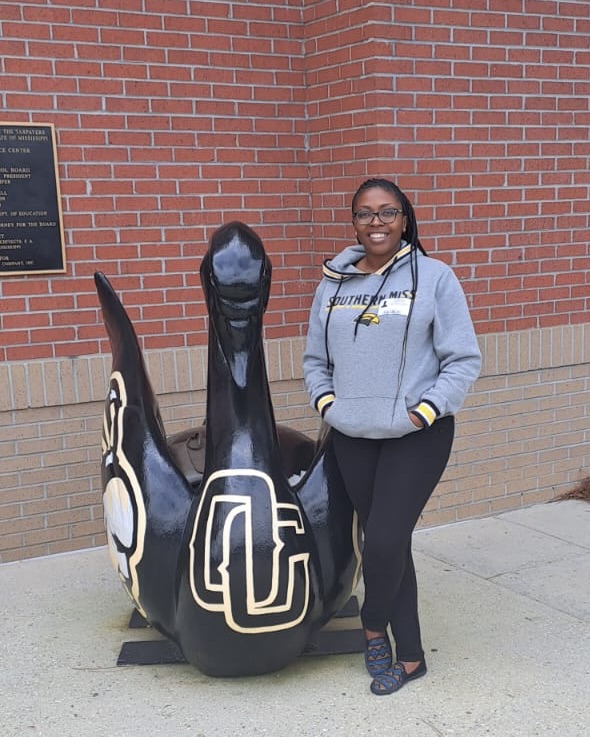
{"x": 410, "y": 235}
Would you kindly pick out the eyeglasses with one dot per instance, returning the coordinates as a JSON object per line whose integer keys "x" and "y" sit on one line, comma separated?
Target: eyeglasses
{"x": 386, "y": 215}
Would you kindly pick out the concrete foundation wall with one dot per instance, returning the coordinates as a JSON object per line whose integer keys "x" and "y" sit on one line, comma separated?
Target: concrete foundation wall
{"x": 521, "y": 438}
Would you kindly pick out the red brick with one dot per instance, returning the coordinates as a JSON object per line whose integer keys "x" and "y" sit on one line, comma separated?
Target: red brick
{"x": 488, "y": 130}
{"x": 27, "y": 352}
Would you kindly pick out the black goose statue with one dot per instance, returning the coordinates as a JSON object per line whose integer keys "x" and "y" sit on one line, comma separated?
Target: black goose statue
{"x": 235, "y": 539}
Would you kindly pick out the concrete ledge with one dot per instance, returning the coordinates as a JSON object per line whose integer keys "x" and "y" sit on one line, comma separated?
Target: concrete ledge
{"x": 65, "y": 381}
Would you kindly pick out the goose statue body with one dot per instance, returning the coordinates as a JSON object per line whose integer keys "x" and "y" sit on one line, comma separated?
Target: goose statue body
{"x": 236, "y": 562}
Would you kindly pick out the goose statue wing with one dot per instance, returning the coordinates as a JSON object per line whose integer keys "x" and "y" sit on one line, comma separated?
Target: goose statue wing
{"x": 146, "y": 499}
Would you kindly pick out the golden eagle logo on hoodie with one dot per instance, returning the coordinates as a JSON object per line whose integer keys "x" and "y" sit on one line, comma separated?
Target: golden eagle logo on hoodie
{"x": 368, "y": 318}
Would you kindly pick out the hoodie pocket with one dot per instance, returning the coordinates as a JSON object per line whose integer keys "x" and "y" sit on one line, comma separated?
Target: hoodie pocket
{"x": 370, "y": 417}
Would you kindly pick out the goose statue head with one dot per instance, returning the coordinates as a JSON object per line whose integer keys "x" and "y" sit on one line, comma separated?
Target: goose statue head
{"x": 235, "y": 276}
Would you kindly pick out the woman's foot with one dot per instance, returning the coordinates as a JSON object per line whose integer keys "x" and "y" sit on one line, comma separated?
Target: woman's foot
{"x": 411, "y": 666}
{"x": 398, "y": 675}
{"x": 378, "y": 655}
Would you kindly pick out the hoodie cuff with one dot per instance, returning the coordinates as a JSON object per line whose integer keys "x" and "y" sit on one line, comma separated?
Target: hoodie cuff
{"x": 323, "y": 402}
{"x": 426, "y": 412}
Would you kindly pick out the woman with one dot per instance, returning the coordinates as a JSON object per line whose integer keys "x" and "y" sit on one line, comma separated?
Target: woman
{"x": 391, "y": 353}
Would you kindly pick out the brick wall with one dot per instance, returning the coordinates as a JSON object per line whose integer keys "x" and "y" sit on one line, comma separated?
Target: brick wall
{"x": 481, "y": 111}
{"x": 168, "y": 124}
{"x": 173, "y": 118}
{"x": 522, "y": 437}
{"x": 50, "y": 429}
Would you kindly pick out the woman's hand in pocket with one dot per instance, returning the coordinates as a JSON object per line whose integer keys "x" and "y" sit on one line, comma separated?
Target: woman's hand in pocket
{"x": 415, "y": 420}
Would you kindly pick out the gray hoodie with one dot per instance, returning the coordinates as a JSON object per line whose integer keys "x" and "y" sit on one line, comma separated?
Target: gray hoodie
{"x": 366, "y": 366}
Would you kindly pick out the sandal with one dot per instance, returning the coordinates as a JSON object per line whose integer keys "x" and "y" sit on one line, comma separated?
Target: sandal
{"x": 394, "y": 678}
{"x": 378, "y": 657}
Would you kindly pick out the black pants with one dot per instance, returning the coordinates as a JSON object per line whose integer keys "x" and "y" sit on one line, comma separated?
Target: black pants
{"x": 389, "y": 482}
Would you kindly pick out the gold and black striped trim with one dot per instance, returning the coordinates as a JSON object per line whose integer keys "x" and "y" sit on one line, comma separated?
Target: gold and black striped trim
{"x": 324, "y": 401}
{"x": 427, "y": 412}
{"x": 341, "y": 276}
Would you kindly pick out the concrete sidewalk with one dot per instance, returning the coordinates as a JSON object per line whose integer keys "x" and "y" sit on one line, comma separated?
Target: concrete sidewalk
{"x": 505, "y": 605}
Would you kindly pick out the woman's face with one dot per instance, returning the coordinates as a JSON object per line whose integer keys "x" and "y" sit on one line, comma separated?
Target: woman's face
{"x": 380, "y": 240}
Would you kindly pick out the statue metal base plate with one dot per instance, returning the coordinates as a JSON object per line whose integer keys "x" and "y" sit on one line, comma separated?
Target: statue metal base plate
{"x": 338, "y": 637}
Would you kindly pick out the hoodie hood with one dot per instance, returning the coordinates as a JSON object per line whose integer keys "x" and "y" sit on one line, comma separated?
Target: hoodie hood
{"x": 342, "y": 266}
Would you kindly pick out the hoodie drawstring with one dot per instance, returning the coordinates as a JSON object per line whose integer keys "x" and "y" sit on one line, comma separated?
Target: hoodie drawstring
{"x": 330, "y": 308}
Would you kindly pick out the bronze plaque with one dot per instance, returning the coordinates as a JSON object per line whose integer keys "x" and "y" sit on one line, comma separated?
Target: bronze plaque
{"x": 31, "y": 228}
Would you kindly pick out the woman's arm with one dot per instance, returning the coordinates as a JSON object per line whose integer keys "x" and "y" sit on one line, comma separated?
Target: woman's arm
{"x": 456, "y": 346}
{"x": 317, "y": 372}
